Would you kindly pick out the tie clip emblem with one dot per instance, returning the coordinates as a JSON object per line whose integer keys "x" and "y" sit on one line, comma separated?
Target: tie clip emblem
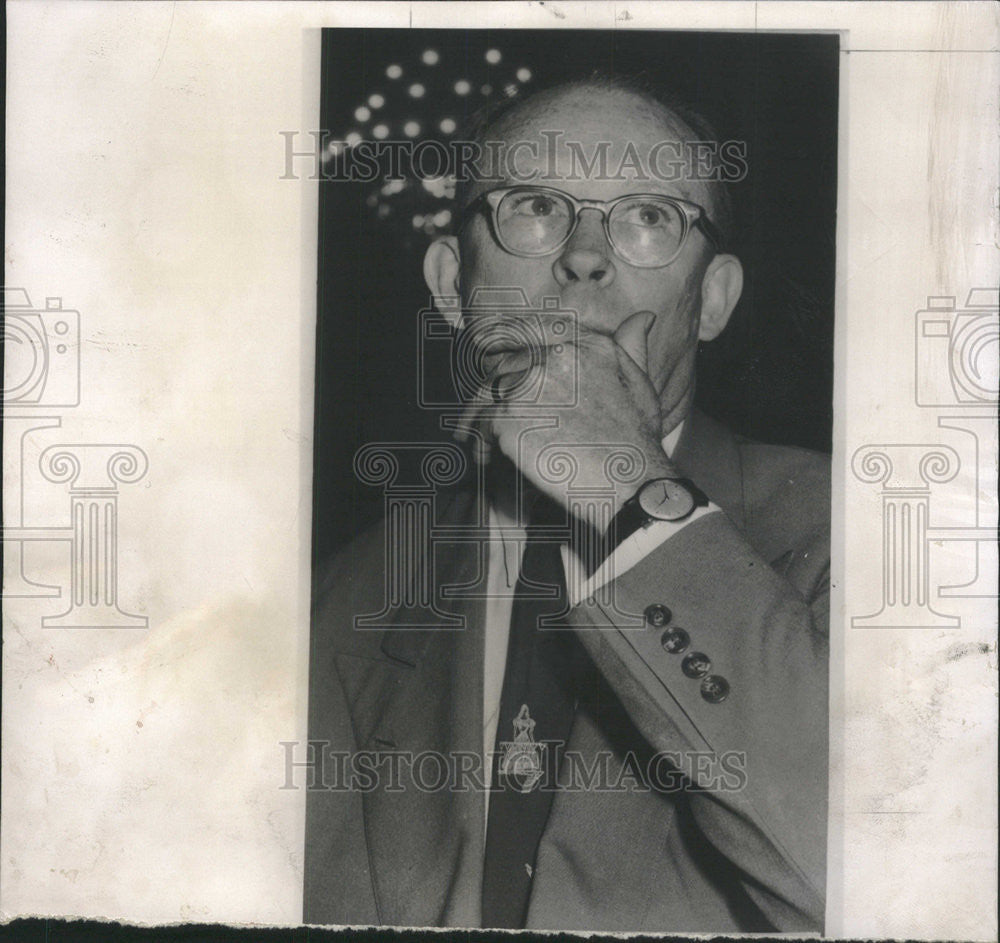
{"x": 521, "y": 762}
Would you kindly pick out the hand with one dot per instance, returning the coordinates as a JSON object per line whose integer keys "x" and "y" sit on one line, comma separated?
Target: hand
{"x": 605, "y": 378}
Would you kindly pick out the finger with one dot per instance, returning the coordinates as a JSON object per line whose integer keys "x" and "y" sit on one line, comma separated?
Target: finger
{"x": 512, "y": 388}
{"x": 477, "y": 436}
{"x": 504, "y": 381}
{"x": 466, "y": 423}
{"x": 632, "y": 337}
{"x": 511, "y": 332}
{"x": 510, "y": 349}
{"x": 472, "y": 412}
{"x": 482, "y": 450}
{"x": 501, "y": 364}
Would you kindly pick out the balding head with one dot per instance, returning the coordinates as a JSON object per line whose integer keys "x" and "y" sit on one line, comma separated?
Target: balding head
{"x": 602, "y": 126}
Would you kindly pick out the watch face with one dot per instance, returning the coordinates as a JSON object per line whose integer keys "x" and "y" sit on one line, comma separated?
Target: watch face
{"x": 666, "y": 500}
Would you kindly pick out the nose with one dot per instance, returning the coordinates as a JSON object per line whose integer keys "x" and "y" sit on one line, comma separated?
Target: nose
{"x": 586, "y": 258}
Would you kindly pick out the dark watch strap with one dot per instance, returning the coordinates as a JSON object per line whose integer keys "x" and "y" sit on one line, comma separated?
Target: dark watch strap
{"x": 624, "y": 524}
{"x": 631, "y": 516}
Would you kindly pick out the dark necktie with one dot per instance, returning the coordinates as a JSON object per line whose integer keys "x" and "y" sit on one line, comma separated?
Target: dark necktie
{"x": 536, "y": 708}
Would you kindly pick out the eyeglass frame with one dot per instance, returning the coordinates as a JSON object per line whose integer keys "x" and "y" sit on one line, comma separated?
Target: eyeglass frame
{"x": 692, "y": 214}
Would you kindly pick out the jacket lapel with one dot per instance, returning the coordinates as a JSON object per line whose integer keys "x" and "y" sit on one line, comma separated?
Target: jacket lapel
{"x": 426, "y": 845}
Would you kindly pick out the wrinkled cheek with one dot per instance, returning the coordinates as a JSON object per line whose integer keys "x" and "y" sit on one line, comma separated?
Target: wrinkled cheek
{"x": 690, "y": 300}
{"x": 486, "y": 273}
{"x": 671, "y": 348}
{"x": 485, "y": 265}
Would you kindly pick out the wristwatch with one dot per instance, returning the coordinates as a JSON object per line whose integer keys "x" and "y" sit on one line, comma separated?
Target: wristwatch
{"x": 659, "y": 499}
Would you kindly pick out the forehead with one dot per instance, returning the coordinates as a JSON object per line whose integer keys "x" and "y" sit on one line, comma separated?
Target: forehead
{"x": 592, "y": 142}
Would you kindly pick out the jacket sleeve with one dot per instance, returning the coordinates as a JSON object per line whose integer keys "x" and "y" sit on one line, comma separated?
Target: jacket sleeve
{"x": 765, "y": 635}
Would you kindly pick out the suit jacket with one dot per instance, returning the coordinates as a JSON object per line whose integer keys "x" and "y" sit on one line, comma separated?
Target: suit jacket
{"x": 750, "y": 586}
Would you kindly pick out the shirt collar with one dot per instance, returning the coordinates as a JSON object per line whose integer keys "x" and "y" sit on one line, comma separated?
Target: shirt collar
{"x": 670, "y": 440}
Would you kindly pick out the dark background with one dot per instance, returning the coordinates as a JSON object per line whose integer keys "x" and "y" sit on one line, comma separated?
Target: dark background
{"x": 769, "y": 375}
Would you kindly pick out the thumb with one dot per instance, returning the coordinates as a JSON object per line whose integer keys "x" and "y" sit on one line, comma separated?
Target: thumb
{"x": 632, "y": 334}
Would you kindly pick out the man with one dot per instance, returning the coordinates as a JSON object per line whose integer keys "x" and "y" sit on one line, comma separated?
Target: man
{"x": 720, "y": 547}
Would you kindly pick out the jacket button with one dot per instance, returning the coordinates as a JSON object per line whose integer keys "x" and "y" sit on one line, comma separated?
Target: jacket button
{"x": 657, "y": 615}
{"x": 675, "y": 640}
{"x": 714, "y": 689}
{"x": 696, "y": 665}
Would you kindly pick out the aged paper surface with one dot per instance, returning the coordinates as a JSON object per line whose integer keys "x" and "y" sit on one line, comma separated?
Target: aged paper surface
{"x": 158, "y": 451}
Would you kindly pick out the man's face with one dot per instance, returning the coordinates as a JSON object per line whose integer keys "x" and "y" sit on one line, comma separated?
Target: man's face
{"x": 585, "y": 273}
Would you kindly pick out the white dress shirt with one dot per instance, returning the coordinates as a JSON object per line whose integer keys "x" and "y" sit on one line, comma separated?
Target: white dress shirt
{"x": 505, "y": 565}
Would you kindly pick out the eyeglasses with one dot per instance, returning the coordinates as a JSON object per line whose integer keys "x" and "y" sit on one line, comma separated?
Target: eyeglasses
{"x": 647, "y": 230}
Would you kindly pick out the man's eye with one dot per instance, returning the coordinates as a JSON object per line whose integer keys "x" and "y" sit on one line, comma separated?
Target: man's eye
{"x": 536, "y": 206}
{"x": 646, "y": 214}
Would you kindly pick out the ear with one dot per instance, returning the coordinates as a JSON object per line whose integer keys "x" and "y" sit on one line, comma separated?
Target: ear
{"x": 721, "y": 288}
{"x": 442, "y": 264}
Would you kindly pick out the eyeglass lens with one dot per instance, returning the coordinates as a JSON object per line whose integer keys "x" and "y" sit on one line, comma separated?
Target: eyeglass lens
{"x": 645, "y": 229}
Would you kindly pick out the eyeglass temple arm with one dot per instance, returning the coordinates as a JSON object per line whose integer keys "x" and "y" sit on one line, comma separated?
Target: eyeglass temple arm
{"x": 711, "y": 231}
{"x": 470, "y": 209}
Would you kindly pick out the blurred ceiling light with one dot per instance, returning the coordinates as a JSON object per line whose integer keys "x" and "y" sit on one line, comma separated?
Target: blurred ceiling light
{"x": 441, "y": 187}
{"x": 417, "y": 90}
{"x": 380, "y": 131}
{"x": 447, "y": 125}
{"x": 362, "y": 114}
{"x": 411, "y": 129}
{"x": 430, "y": 57}
{"x": 394, "y": 71}
{"x": 462, "y": 87}
{"x": 376, "y": 100}
{"x": 493, "y": 56}
{"x": 523, "y": 75}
